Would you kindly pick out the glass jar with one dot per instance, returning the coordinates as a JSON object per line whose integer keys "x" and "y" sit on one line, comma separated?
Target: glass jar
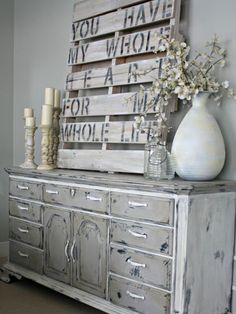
{"x": 158, "y": 162}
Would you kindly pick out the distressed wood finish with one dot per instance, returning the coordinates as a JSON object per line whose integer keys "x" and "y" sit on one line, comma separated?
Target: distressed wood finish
{"x": 26, "y": 232}
{"x": 105, "y": 132}
{"x": 214, "y": 240}
{"x": 110, "y": 55}
{"x": 143, "y": 267}
{"x": 142, "y": 236}
{"x": 25, "y": 210}
{"x": 93, "y": 199}
{"x": 89, "y": 254}
{"x": 114, "y": 104}
{"x": 110, "y": 259}
{"x": 122, "y": 46}
{"x": 26, "y": 189}
{"x": 123, "y": 74}
{"x": 141, "y": 207}
{"x": 26, "y": 256}
{"x": 137, "y": 297}
{"x": 87, "y": 8}
{"x": 57, "y": 237}
{"x": 102, "y": 160}
{"x": 132, "y": 17}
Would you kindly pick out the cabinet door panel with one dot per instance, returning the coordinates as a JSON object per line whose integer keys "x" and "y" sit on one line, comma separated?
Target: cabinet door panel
{"x": 89, "y": 253}
{"x": 57, "y": 236}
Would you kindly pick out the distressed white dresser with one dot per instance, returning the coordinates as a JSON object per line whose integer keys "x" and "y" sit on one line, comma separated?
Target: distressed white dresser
{"x": 123, "y": 244}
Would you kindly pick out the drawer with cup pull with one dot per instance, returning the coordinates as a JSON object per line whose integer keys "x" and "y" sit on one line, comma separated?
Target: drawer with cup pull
{"x": 155, "y": 238}
{"x": 91, "y": 199}
{"x": 26, "y": 189}
{"x": 25, "y": 210}
{"x": 140, "y": 266}
{"x": 143, "y": 207}
{"x": 138, "y": 297}
{"x": 26, "y": 256}
{"x": 26, "y": 232}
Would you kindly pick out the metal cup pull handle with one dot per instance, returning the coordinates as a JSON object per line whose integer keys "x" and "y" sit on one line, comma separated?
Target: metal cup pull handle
{"x": 135, "y": 296}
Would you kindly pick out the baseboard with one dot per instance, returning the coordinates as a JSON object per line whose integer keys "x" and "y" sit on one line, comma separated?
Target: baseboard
{"x": 4, "y": 248}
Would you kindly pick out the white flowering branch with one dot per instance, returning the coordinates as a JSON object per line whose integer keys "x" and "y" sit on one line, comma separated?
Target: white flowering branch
{"x": 184, "y": 78}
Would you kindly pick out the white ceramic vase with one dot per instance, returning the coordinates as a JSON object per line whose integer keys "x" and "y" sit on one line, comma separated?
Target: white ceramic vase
{"x": 198, "y": 146}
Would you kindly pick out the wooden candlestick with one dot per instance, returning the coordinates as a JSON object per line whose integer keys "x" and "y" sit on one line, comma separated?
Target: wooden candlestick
{"x": 29, "y": 148}
{"x": 45, "y": 148}
{"x": 56, "y": 133}
{"x": 50, "y": 148}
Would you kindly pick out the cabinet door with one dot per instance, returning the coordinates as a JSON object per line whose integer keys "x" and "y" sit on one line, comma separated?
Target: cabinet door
{"x": 89, "y": 253}
{"x": 57, "y": 237}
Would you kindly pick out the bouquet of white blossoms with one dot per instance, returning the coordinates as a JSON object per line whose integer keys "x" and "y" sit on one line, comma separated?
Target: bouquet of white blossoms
{"x": 185, "y": 78}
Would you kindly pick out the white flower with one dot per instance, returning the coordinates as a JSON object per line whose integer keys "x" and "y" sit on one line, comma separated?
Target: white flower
{"x": 225, "y": 84}
{"x": 139, "y": 120}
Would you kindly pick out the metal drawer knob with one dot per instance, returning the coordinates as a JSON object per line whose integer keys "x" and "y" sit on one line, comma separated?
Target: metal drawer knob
{"x": 135, "y": 296}
{"x": 136, "y": 264}
{"x": 23, "y": 230}
{"x": 21, "y": 187}
{"x": 137, "y": 235}
{"x": 23, "y": 207}
{"x": 93, "y": 198}
{"x": 136, "y": 204}
{"x": 52, "y": 192}
{"x": 23, "y": 254}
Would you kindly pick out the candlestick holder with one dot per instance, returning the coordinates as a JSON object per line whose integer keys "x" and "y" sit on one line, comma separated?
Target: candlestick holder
{"x": 29, "y": 148}
{"x": 50, "y": 148}
{"x": 56, "y": 133}
{"x": 45, "y": 148}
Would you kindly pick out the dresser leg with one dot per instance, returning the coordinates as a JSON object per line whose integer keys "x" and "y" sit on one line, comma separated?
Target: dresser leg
{"x": 7, "y": 276}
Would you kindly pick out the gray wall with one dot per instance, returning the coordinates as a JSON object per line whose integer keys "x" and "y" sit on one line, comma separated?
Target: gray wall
{"x": 6, "y": 105}
{"x": 203, "y": 19}
{"x": 41, "y": 45}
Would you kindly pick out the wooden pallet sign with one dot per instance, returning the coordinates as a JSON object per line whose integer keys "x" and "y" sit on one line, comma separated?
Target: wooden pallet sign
{"x": 111, "y": 54}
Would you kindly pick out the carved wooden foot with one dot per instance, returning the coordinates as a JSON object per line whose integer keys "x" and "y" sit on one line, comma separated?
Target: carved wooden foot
{"x": 7, "y": 276}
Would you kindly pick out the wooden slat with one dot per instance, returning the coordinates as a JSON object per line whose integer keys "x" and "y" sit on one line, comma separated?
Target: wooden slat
{"x": 105, "y": 132}
{"x": 102, "y": 160}
{"x": 132, "y": 17}
{"x": 87, "y": 8}
{"x": 126, "y": 45}
{"x": 117, "y": 75}
{"x": 102, "y": 105}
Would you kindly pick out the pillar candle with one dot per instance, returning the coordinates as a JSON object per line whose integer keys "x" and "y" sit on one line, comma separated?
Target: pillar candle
{"x": 49, "y": 96}
{"x": 30, "y": 121}
{"x": 28, "y": 112}
{"x": 47, "y": 111}
{"x": 57, "y": 98}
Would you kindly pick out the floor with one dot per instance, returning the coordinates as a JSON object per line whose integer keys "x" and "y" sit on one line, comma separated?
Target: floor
{"x": 27, "y": 297}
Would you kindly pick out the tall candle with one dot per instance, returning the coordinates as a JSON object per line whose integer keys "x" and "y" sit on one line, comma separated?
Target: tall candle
{"x": 30, "y": 121}
{"x": 57, "y": 95}
{"x": 28, "y": 112}
{"x": 49, "y": 96}
{"x": 47, "y": 111}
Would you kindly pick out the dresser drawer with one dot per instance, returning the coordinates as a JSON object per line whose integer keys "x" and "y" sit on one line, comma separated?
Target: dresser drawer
{"x": 91, "y": 199}
{"x": 142, "y": 236}
{"x": 148, "y": 268}
{"x": 26, "y": 189}
{"x": 25, "y": 210}
{"x": 137, "y": 297}
{"x": 147, "y": 208}
{"x": 26, "y": 232}
{"x": 26, "y": 256}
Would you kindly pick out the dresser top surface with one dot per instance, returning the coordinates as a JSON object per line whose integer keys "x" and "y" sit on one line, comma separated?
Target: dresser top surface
{"x": 176, "y": 186}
